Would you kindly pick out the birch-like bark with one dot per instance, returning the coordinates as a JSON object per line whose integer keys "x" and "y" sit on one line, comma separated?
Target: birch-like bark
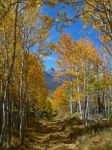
{"x": 21, "y": 100}
{"x": 79, "y": 102}
{"x": 71, "y": 105}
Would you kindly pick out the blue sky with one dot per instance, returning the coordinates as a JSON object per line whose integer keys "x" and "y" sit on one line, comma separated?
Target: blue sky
{"x": 76, "y": 30}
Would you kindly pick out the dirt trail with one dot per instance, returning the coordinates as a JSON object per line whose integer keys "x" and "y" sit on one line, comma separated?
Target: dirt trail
{"x": 55, "y": 135}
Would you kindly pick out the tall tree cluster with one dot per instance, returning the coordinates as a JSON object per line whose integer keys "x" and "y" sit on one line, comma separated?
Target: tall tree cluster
{"x": 87, "y": 83}
{"x": 22, "y": 83}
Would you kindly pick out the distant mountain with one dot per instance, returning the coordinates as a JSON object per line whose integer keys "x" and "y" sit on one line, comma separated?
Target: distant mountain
{"x": 51, "y": 71}
{"x": 51, "y": 82}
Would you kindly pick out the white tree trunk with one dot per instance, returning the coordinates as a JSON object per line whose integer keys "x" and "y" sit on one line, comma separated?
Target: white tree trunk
{"x": 79, "y": 102}
{"x": 71, "y": 104}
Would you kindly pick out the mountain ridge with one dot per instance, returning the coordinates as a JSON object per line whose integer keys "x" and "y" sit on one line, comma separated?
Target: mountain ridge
{"x": 51, "y": 82}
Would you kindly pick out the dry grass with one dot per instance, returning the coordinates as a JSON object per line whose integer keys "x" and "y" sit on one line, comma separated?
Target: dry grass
{"x": 99, "y": 141}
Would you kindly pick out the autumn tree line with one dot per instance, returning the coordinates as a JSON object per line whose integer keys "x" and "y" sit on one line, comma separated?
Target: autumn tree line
{"x": 85, "y": 70}
{"x": 22, "y": 81}
{"x": 24, "y": 30}
{"x": 87, "y": 81}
